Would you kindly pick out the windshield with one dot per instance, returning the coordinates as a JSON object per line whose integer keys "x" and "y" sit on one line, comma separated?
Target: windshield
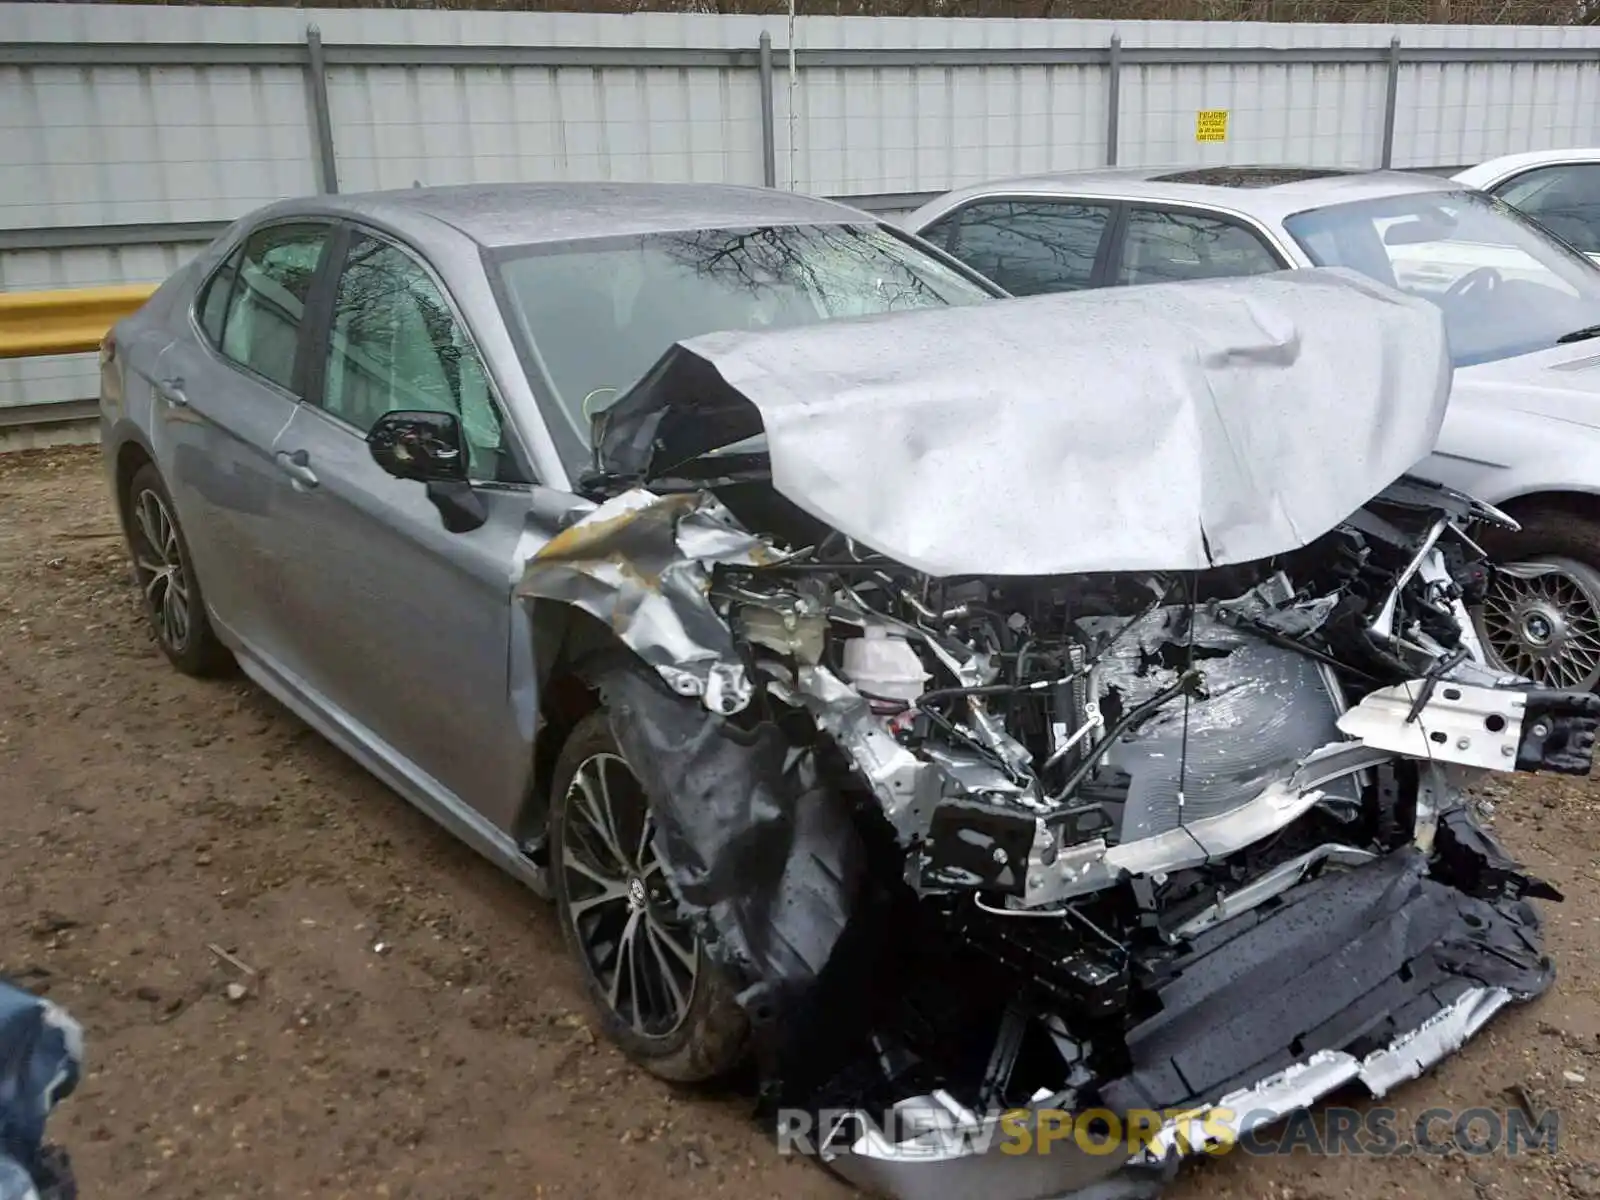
{"x": 596, "y": 315}
{"x": 1506, "y": 286}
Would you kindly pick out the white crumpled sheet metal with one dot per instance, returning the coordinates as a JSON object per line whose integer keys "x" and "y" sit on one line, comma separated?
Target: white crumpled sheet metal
{"x": 1170, "y": 427}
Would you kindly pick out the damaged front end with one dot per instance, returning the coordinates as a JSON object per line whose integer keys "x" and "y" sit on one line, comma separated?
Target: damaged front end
{"x": 980, "y": 845}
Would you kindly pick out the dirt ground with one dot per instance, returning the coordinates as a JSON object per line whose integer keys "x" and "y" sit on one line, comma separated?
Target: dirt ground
{"x": 409, "y": 1026}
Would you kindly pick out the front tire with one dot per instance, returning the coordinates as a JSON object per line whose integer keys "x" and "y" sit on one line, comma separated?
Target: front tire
{"x": 165, "y": 574}
{"x": 1541, "y": 618}
{"x": 658, "y": 996}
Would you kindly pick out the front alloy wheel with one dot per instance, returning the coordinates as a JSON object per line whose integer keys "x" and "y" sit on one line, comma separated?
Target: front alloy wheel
{"x": 658, "y": 996}
{"x": 634, "y": 944}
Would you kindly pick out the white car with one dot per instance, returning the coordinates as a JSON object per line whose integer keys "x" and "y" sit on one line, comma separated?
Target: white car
{"x": 1522, "y": 309}
{"x": 1558, "y": 188}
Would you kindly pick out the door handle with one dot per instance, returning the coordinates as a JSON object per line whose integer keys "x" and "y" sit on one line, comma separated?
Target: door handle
{"x": 296, "y": 464}
{"x": 171, "y": 390}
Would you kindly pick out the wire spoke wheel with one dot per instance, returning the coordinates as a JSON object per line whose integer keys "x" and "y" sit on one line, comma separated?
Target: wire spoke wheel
{"x": 638, "y": 949}
{"x": 1544, "y": 622}
{"x": 158, "y": 563}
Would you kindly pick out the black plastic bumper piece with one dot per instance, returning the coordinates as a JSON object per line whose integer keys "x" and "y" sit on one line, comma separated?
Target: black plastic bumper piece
{"x": 1345, "y": 962}
{"x": 1558, "y": 731}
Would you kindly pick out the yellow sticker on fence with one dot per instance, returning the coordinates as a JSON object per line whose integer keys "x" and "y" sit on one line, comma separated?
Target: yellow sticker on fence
{"x": 1211, "y": 125}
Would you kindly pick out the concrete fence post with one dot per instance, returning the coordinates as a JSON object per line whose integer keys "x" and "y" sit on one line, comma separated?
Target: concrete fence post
{"x": 769, "y": 135}
{"x": 1113, "y": 98}
{"x": 321, "y": 116}
{"x": 1391, "y": 101}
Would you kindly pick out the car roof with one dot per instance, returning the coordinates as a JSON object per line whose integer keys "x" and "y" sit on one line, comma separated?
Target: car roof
{"x": 516, "y": 214}
{"x": 1268, "y": 193}
{"x": 1492, "y": 171}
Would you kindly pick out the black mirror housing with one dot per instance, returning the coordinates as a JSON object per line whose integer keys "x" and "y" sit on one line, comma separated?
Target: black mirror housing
{"x": 428, "y": 447}
{"x": 419, "y": 445}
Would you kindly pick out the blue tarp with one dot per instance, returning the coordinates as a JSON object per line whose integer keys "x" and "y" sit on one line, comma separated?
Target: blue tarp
{"x": 41, "y": 1055}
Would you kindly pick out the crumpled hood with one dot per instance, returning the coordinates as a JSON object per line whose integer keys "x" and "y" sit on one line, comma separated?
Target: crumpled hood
{"x": 1174, "y": 427}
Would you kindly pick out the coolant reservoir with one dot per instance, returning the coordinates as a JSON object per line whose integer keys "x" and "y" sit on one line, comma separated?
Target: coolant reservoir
{"x": 883, "y": 664}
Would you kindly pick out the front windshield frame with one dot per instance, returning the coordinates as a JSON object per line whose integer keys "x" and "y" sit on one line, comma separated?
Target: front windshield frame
{"x": 573, "y": 448}
{"x": 1556, "y": 258}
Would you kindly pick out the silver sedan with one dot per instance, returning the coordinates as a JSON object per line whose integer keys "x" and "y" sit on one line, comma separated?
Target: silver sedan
{"x": 800, "y": 659}
{"x": 335, "y": 436}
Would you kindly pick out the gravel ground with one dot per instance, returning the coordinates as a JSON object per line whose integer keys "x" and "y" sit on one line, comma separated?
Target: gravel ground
{"x": 408, "y": 1025}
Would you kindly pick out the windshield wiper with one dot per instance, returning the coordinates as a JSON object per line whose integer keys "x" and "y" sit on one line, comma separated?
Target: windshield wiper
{"x": 1579, "y": 335}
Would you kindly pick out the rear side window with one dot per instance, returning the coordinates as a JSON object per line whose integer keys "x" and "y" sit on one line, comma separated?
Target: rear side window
{"x": 266, "y": 284}
{"x": 1026, "y": 246}
{"x": 215, "y": 298}
{"x": 1161, "y": 246}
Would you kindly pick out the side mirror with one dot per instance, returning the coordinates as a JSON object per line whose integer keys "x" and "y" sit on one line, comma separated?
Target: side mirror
{"x": 423, "y": 446}
{"x": 428, "y": 448}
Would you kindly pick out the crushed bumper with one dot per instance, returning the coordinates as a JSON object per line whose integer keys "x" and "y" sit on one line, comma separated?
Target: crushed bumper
{"x": 1369, "y": 975}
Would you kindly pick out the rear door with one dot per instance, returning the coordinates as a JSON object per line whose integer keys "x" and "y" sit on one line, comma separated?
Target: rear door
{"x": 404, "y": 629}
{"x": 226, "y": 388}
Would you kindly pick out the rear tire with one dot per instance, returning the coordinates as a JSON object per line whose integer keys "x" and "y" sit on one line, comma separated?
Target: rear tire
{"x": 1547, "y": 626}
{"x": 165, "y": 574}
{"x": 658, "y": 996}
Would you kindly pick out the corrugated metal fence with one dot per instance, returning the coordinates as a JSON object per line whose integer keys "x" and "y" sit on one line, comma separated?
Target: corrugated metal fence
{"x": 129, "y": 135}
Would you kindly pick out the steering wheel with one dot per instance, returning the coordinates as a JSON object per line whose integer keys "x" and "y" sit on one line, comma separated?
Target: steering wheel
{"x": 1484, "y": 279}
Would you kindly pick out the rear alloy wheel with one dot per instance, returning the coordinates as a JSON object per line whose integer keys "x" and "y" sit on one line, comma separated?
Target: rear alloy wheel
{"x": 1541, "y": 619}
{"x": 165, "y": 575}
{"x": 644, "y": 967}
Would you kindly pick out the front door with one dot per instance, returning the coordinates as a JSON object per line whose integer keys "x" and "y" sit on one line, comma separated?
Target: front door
{"x": 407, "y": 627}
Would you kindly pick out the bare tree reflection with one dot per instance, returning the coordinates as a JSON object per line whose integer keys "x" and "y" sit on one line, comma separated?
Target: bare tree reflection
{"x": 601, "y": 314}
{"x": 1030, "y": 247}
{"x": 840, "y": 270}
{"x": 385, "y": 306}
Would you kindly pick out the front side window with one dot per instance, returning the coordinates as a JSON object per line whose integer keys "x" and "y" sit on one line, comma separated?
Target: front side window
{"x": 1028, "y": 247}
{"x": 261, "y": 325}
{"x": 1168, "y": 246}
{"x": 1564, "y": 199}
{"x": 594, "y": 316}
{"x": 396, "y": 345}
{"x": 1505, "y": 285}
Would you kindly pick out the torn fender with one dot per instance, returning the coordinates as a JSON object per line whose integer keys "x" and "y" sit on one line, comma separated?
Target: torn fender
{"x": 641, "y": 565}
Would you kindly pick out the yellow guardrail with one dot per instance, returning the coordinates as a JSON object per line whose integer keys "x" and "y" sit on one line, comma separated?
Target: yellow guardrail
{"x": 64, "y": 322}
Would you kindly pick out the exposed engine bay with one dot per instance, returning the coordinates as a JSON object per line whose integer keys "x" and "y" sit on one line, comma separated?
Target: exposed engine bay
{"x": 1141, "y": 840}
